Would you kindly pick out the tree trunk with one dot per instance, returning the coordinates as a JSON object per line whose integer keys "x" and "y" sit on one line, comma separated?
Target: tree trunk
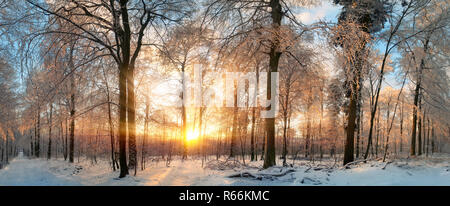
{"x": 164, "y": 136}
{"x": 111, "y": 135}
{"x": 31, "y": 141}
{"x": 252, "y": 136}
{"x": 183, "y": 114}
{"x": 144, "y": 139}
{"x": 414, "y": 121}
{"x": 72, "y": 121}
{"x": 419, "y": 127}
{"x": 235, "y": 126}
{"x": 49, "y": 152}
{"x": 308, "y": 134}
{"x": 284, "y": 152}
{"x": 123, "y": 120}
{"x": 378, "y": 134}
{"x": 358, "y": 132}
{"x": 243, "y": 134}
{"x": 320, "y": 124}
{"x": 386, "y": 145}
{"x": 38, "y": 134}
{"x": 132, "y": 153}
{"x": 7, "y": 146}
{"x": 263, "y": 145}
{"x": 61, "y": 135}
{"x": 401, "y": 129}
{"x": 66, "y": 150}
{"x": 417, "y": 98}
{"x": 351, "y": 125}
{"x": 424, "y": 130}
{"x": 432, "y": 139}
{"x": 428, "y": 136}
{"x": 274, "y": 57}
{"x": 72, "y": 107}
{"x": 285, "y": 117}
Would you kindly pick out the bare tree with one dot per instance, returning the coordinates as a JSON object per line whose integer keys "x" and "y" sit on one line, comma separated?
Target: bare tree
{"x": 115, "y": 28}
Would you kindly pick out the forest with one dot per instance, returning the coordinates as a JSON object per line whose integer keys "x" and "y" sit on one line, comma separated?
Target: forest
{"x": 224, "y": 92}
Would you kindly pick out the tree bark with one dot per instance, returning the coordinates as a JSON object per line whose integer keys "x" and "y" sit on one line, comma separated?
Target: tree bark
{"x": 252, "y": 136}
{"x": 358, "y": 126}
{"x": 285, "y": 119}
{"x": 349, "y": 146}
{"x": 132, "y": 153}
{"x": 183, "y": 114}
{"x": 419, "y": 127}
{"x": 235, "y": 126}
{"x": 274, "y": 57}
{"x": 401, "y": 129}
{"x": 31, "y": 141}
{"x": 427, "y": 144}
{"x": 38, "y": 134}
{"x": 123, "y": 120}
{"x": 66, "y": 150}
{"x": 111, "y": 131}
{"x": 72, "y": 107}
{"x": 144, "y": 139}
{"x": 7, "y": 146}
{"x": 417, "y": 99}
{"x": 72, "y": 121}
{"x": 49, "y": 152}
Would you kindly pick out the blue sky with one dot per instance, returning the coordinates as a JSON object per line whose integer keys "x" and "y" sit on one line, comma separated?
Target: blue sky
{"x": 329, "y": 12}
{"x": 325, "y": 11}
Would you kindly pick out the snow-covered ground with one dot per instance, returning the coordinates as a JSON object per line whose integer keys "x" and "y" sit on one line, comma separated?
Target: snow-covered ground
{"x": 417, "y": 171}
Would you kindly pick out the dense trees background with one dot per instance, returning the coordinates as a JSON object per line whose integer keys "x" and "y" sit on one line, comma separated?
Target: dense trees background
{"x": 93, "y": 80}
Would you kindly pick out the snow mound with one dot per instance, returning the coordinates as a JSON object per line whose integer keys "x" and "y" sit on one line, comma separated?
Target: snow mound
{"x": 225, "y": 165}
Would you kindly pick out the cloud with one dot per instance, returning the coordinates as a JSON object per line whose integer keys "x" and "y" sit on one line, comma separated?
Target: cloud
{"x": 324, "y": 11}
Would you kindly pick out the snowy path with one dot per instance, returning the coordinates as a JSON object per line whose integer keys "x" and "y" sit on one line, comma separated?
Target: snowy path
{"x": 36, "y": 172}
{"x": 22, "y": 171}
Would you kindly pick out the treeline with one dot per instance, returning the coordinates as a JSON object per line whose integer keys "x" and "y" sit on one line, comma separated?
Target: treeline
{"x": 87, "y": 80}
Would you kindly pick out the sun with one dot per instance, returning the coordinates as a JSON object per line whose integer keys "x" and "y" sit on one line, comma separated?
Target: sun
{"x": 192, "y": 135}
